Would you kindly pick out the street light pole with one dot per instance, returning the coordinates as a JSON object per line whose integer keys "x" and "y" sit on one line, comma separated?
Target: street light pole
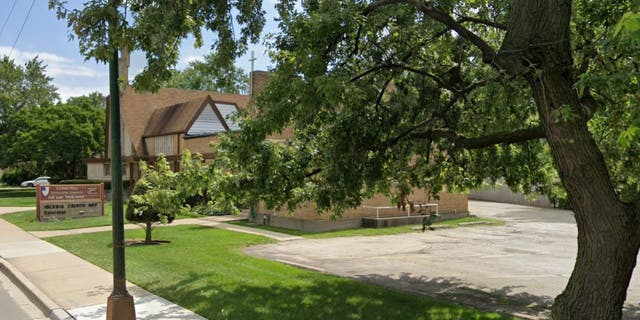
{"x": 120, "y": 303}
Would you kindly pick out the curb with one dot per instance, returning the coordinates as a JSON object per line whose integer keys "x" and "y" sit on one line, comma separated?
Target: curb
{"x": 41, "y": 300}
{"x": 301, "y": 266}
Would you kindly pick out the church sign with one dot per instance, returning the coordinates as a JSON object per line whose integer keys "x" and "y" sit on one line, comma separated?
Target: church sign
{"x": 58, "y": 202}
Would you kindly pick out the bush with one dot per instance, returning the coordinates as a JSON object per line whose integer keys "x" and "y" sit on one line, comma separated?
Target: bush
{"x": 107, "y": 184}
{"x": 206, "y": 210}
{"x": 13, "y": 176}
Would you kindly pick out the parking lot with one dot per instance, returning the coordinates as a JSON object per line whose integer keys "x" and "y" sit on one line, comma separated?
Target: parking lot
{"x": 516, "y": 268}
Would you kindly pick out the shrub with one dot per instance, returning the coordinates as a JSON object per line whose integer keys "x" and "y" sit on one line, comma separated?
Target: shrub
{"x": 107, "y": 184}
{"x": 13, "y": 176}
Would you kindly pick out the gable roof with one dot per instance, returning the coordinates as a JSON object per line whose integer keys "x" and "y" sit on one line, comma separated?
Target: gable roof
{"x": 175, "y": 118}
{"x": 138, "y": 109}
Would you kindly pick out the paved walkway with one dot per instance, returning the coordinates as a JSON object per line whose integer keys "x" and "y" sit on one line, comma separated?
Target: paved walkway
{"x": 4, "y": 210}
{"x": 213, "y": 221}
{"x": 517, "y": 268}
{"x": 65, "y": 285}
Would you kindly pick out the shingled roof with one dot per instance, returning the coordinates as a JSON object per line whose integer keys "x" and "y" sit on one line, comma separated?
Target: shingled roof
{"x": 175, "y": 118}
{"x": 138, "y": 111}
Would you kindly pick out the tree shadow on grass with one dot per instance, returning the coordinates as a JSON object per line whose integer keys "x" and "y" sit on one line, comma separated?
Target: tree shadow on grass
{"x": 326, "y": 299}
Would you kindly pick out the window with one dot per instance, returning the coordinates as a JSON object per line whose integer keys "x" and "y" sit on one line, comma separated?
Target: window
{"x": 228, "y": 111}
{"x": 206, "y": 123}
{"x": 106, "y": 169}
{"x": 164, "y": 145}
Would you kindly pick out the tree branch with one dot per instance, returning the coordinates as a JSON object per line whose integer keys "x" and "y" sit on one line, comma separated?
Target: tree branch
{"x": 462, "y": 142}
{"x": 496, "y": 25}
{"x": 429, "y": 9}
{"x": 392, "y": 66}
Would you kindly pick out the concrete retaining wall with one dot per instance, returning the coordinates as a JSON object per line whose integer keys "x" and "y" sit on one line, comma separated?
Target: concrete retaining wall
{"x": 347, "y": 223}
{"x": 505, "y": 195}
{"x": 307, "y": 225}
{"x": 401, "y": 221}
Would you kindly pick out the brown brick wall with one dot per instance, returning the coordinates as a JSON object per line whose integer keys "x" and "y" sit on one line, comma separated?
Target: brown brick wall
{"x": 199, "y": 145}
{"x": 448, "y": 202}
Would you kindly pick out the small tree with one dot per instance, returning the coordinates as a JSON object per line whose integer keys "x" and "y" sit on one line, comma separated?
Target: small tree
{"x": 154, "y": 200}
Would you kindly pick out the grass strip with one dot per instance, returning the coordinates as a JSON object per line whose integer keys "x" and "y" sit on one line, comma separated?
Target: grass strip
{"x": 28, "y": 221}
{"x": 204, "y": 270}
{"x": 369, "y": 231}
{"x": 13, "y": 197}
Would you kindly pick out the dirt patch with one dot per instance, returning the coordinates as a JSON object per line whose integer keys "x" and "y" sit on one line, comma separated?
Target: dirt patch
{"x": 141, "y": 242}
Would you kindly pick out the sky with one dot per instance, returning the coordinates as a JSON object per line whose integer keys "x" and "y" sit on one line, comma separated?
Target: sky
{"x": 47, "y": 37}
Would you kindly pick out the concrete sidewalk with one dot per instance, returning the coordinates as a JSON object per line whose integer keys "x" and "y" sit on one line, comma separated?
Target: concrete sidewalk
{"x": 66, "y": 287}
{"x": 214, "y": 221}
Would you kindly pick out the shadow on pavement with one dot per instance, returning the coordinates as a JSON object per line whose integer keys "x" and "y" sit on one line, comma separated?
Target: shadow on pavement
{"x": 504, "y": 300}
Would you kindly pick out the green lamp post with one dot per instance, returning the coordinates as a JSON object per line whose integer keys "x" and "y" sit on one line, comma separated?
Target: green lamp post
{"x": 120, "y": 304}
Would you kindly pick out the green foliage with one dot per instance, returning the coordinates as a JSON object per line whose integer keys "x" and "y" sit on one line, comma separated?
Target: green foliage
{"x": 154, "y": 197}
{"x": 13, "y": 176}
{"x": 23, "y": 86}
{"x": 52, "y": 140}
{"x": 193, "y": 181}
{"x": 38, "y": 136}
{"x": 611, "y": 75}
{"x": 157, "y": 28}
{"x": 376, "y": 104}
{"x": 208, "y": 76}
{"x": 92, "y": 100}
{"x": 629, "y": 27}
{"x": 213, "y": 187}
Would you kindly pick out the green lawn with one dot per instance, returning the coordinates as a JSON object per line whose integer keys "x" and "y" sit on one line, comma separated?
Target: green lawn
{"x": 12, "y": 197}
{"x": 204, "y": 270}
{"x": 369, "y": 231}
{"x": 27, "y": 220}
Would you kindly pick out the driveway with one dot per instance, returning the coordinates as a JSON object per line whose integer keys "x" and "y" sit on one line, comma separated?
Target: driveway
{"x": 517, "y": 268}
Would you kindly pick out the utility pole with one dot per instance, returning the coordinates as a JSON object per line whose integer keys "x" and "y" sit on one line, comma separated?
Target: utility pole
{"x": 120, "y": 303}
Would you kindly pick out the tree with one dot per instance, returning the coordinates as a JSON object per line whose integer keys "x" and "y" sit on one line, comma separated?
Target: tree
{"x": 91, "y": 100}
{"x": 389, "y": 94}
{"x": 154, "y": 199}
{"x": 24, "y": 86}
{"x": 52, "y": 140}
{"x": 208, "y": 76}
{"x": 158, "y": 27}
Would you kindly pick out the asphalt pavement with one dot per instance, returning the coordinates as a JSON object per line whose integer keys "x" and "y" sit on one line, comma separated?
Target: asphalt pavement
{"x": 517, "y": 268}
{"x": 14, "y": 304}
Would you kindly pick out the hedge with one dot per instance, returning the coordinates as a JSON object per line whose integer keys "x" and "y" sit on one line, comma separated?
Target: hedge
{"x": 107, "y": 184}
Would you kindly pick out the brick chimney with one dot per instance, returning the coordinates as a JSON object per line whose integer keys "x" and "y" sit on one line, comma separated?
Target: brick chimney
{"x": 259, "y": 80}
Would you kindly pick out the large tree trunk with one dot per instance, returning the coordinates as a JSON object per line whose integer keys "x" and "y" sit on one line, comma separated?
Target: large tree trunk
{"x": 537, "y": 46}
{"x": 608, "y": 235}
